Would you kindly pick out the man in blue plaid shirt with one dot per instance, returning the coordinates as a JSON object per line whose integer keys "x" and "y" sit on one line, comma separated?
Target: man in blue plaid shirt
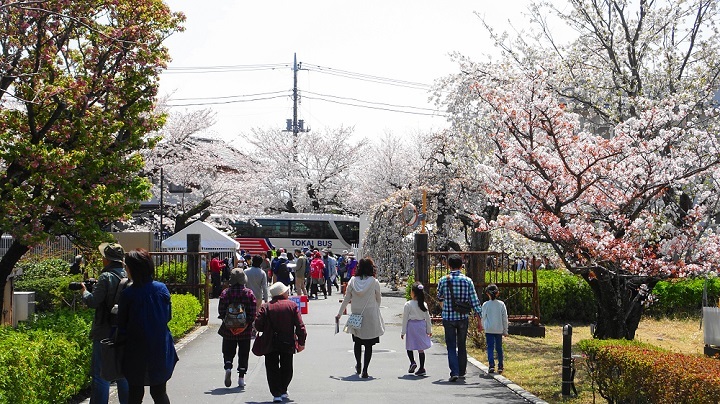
{"x": 456, "y": 324}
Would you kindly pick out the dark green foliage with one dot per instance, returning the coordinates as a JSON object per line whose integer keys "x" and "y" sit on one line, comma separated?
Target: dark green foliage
{"x": 49, "y": 280}
{"x": 185, "y": 309}
{"x": 46, "y": 360}
{"x": 682, "y": 297}
{"x": 565, "y": 297}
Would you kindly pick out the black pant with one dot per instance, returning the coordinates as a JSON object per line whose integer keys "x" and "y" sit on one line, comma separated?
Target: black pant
{"x": 242, "y": 347}
{"x": 157, "y": 392}
{"x": 216, "y": 284}
{"x": 316, "y": 285}
{"x": 279, "y": 368}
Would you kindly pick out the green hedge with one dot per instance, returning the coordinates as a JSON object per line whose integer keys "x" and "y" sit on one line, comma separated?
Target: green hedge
{"x": 49, "y": 280}
{"x": 564, "y": 297}
{"x": 682, "y": 297}
{"x": 47, "y": 360}
{"x": 185, "y": 309}
{"x": 632, "y": 372}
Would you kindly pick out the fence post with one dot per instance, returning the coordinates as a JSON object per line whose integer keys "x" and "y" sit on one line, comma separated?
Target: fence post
{"x": 193, "y": 273}
{"x": 421, "y": 258}
{"x": 567, "y": 382}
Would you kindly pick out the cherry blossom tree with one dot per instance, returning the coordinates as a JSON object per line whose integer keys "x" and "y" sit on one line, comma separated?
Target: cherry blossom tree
{"x": 605, "y": 148}
{"x": 309, "y": 173}
{"x": 201, "y": 175}
{"x": 78, "y": 81}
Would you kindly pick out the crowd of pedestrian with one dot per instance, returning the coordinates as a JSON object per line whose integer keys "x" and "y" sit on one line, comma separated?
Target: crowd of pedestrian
{"x": 254, "y": 305}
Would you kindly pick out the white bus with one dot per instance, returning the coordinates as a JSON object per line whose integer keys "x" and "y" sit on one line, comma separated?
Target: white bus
{"x": 297, "y": 230}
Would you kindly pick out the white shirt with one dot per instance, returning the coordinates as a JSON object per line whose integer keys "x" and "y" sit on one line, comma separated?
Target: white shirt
{"x": 412, "y": 311}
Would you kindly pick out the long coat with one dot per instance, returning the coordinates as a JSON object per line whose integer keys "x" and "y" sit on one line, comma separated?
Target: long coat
{"x": 365, "y": 296}
{"x": 144, "y": 312}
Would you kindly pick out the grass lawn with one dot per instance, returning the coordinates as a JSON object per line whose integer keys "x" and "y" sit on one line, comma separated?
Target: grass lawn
{"x": 535, "y": 364}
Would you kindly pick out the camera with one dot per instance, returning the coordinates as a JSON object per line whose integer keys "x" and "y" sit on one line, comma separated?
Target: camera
{"x": 89, "y": 283}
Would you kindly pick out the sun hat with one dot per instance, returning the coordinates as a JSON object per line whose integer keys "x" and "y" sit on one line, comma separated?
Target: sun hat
{"x": 238, "y": 277}
{"x": 283, "y": 256}
{"x": 112, "y": 252}
{"x": 277, "y": 289}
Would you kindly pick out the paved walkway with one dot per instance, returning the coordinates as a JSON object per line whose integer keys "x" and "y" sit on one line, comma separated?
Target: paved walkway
{"x": 324, "y": 372}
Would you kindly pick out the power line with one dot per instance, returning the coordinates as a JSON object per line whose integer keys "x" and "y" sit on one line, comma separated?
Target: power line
{"x": 229, "y": 96}
{"x": 366, "y": 77}
{"x": 375, "y": 107}
{"x": 225, "y": 69}
{"x": 370, "y": 102}
{"x": 225, "y": 102}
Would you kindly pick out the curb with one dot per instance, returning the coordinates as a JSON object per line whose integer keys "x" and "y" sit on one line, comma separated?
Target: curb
{"x": 508, "y": 383}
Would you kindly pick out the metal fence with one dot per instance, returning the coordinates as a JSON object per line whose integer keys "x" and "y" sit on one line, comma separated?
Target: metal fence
{"x": 518, "y": 287}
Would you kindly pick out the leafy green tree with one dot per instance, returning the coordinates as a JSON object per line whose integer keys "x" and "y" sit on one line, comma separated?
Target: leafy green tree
{"x": 78, "y": 80}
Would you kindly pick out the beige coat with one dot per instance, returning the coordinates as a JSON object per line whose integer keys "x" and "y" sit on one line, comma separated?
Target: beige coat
{"x": 364, "y": 293}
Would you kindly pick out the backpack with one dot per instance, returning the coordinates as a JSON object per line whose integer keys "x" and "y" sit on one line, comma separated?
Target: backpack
{"x": 282, "y": 271}
{"x": 235, "y": 318}
{"x": 122, "y": 284}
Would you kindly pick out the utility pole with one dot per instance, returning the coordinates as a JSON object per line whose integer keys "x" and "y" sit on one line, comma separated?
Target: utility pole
{"x": 293, "y": 125}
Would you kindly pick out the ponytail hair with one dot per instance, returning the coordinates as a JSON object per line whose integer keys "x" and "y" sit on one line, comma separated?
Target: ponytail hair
{"x": 418, "y": 290}
{"x": 492, "y": 291}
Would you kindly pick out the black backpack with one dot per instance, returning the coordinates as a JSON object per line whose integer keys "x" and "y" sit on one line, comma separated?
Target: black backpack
{"x": 115, "y": 299}
{"x": 282, "y": 270}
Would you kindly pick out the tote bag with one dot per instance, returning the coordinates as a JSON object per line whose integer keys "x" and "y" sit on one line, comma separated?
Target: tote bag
{"x": 111, "y": 354}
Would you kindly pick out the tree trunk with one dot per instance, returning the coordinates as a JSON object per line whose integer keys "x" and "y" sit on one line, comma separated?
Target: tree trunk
{"x": 181, "y": 221}
{"x": 619, "y": 300}
{"x": 7, "y": 263}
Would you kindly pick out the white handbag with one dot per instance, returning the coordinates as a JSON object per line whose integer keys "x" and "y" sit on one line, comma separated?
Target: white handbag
{"x": 354, "y": 320}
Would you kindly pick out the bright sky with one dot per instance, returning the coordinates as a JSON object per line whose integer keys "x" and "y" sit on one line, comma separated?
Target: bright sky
{"x": 236, "y": 57}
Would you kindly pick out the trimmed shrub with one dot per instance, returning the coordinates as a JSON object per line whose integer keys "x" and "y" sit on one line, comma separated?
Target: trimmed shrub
{"x": 633, "y": 372}
{"x": 49, "y": 280}
{"x": 565, "y": 297}
{"x": 46, "y": 360}
{"x": 185, "y": 310}
{"x": 682, "y": 297}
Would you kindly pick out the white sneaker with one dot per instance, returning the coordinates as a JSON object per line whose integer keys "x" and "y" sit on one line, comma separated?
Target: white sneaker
{"x": 241, "y": 382}
{"x": 277, "y": 399}
{"x": 228, "y": 377}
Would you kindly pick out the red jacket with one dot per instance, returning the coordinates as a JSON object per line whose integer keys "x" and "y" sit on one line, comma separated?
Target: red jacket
{"x": 216, "y": 265}
{"x": 316, "y": 268}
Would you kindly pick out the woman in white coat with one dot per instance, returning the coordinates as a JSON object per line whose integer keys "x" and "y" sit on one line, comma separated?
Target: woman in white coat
{"x": 363, "y": 293}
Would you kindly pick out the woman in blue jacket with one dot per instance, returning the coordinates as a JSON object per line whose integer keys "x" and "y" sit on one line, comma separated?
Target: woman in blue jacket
{"x": 144, "y": 312}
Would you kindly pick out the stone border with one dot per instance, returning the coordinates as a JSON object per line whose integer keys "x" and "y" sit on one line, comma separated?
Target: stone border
{"x": 508, "y": 383}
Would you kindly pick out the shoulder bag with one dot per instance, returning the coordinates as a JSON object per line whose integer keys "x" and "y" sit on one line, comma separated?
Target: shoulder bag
{"x": 460, "y": 307}
{"x": 354, "y": 321}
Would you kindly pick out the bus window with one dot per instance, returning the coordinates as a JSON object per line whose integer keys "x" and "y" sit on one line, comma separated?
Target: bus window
{"x": 244, "y": 229}
{"x": 272, "y": 228}
{"x": 350, "y": 231}
{"x": 311, "y": 229}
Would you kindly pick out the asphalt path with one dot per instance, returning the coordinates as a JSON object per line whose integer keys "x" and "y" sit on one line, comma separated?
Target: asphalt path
{"x": 325, "y": 371}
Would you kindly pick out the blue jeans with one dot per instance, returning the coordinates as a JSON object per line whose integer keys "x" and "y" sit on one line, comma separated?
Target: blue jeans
{"x": 100, "y": 390}
{"x": 455, "y": 339}
{"x": 494, "y": 342}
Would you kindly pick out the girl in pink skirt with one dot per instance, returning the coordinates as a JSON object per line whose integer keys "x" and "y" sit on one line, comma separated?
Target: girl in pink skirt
{"x": 416, "y": 325}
